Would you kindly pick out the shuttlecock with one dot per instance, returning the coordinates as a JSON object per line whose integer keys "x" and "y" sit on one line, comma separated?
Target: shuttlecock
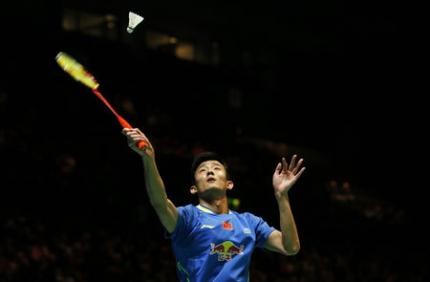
{"x": 133, "y": 20}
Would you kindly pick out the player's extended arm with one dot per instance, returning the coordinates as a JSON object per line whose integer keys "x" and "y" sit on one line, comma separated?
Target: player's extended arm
{"x": 155, "y": 189}
{"x": 287, "y": 240}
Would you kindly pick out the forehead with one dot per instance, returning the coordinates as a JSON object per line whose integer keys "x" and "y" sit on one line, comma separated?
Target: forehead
{"x": 210, "y": 163}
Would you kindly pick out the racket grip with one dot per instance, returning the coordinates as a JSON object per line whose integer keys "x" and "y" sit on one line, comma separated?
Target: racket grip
{"x": 123, "y": 122}
{"x": 141, "y": 144}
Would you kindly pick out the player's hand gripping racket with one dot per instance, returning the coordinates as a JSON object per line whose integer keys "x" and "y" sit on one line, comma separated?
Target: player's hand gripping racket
{"x": 78, "y": 72}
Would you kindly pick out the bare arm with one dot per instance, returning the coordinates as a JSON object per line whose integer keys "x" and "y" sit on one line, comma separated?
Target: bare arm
{"x": 155, "y": 189}
{"x": 287, "y": 240}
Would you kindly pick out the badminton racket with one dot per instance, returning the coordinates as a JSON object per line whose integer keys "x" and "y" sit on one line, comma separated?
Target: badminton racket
{"x": 79, "y": 73}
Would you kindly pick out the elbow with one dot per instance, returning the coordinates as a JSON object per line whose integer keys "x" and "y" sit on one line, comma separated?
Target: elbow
{"x": 292, "y": 250}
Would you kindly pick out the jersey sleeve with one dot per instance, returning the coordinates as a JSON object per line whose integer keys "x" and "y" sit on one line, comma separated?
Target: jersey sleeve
{"x": 261, "y": 228}
{"x": 184, "y": 226}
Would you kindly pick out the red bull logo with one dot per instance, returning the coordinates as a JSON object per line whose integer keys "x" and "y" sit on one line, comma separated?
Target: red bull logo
{"x": 226, "y": 250}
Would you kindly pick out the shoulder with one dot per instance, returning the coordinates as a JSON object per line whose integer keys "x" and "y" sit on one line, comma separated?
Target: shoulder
{"x": 187, "y": 207}
{"x": 243, "y": 214}
{"x": 187, "y": 216}
{"x": 252, "y": 218}
{"x": 187, "y": 210}
{"x": 246, "y": 215}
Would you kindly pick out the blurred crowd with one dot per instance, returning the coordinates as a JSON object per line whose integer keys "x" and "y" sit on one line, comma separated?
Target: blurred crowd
{"x": 34, "y": 251}
{"x": 73, "y": 207}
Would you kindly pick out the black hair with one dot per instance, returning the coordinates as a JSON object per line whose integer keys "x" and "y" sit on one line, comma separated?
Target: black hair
{"x": 206, "y": 156}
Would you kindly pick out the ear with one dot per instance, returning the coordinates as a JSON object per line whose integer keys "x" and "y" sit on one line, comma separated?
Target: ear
{"x": 193, "y": 189}
{"x": 230, "y": 184}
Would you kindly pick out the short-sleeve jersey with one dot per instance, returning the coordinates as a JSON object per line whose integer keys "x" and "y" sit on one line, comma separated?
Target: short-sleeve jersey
{"x": 216, "y": 247}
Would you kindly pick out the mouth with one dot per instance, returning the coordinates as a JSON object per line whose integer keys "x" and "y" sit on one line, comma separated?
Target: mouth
{"x": 211, "y": 179}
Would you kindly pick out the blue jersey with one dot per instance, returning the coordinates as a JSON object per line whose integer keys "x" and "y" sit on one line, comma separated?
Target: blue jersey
{"x": 216, "y": 247}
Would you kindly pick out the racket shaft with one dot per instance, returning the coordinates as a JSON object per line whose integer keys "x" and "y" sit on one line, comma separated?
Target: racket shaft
{"x": 125, "y": 124}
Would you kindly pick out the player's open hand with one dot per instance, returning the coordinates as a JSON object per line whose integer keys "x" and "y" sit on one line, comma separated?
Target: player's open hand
{"x": 286, "y": 175}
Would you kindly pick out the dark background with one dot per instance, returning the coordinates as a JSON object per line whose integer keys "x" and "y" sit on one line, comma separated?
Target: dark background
{"x": 332, "y": 82}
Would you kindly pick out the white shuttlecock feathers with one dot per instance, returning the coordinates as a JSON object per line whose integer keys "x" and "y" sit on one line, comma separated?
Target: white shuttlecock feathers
{"x": 133, "y": 20}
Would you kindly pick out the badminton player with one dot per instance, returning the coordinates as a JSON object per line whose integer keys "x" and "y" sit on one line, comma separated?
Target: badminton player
{"x": 210, "y": 241}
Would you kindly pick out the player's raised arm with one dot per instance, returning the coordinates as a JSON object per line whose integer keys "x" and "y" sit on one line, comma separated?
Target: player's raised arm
{"x": 285, "y": 176}
{"x": 165, "y": 209}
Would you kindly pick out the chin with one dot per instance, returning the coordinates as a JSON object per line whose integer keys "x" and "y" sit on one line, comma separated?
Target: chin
{"x": 212, "y": 193}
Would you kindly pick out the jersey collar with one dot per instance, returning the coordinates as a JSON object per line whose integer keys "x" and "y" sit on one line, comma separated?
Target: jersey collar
{"x": 206, "y": 210}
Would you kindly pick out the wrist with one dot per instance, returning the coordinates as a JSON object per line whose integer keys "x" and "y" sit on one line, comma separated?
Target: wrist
{"x": 281, "y": 196}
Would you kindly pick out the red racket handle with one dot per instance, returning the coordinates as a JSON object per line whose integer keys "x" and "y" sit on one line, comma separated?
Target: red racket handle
{"x": 140, "y": 144}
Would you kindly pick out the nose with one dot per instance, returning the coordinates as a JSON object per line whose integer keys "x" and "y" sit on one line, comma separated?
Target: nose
{"x": 210, "y": 172}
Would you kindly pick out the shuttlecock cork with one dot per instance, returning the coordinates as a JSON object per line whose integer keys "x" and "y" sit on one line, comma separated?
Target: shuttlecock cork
{"x": 133, "y": 20}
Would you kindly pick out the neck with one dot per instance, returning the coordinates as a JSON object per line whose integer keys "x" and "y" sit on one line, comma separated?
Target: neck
{"x": 218, "y": 206}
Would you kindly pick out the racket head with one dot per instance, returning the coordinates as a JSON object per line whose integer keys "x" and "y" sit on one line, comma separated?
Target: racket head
{"x": 76, "y": 70}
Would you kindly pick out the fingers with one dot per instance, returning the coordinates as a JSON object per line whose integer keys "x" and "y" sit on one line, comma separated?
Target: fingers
{"x": 278, "y": 168}
{"x": 126, "y": 130}
{"x": 284, "y": 165}
{"x": 293, "y": 161}
{"x": 300, "y": 172}
{"x": 140, "y": 132}
{"x": 296, "y": 168}
{"x": 294, "y": 165}
{"x": 134, "y": 135}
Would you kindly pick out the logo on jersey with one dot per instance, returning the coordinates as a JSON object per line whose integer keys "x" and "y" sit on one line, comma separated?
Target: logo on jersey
{"x": 247, "y": 230}
{"x": 226, "y": 225}
{"x": 226, "y": 250}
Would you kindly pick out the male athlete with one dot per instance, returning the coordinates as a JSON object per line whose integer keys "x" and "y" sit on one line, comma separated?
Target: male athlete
{"x": 211, "y": 242}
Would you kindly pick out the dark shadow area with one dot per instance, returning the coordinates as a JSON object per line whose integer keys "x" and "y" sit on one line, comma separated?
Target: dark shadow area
{"x": 318, "y": 79}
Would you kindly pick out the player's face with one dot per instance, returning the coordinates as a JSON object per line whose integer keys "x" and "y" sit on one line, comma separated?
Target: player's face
{"x": 211, "y": 174}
